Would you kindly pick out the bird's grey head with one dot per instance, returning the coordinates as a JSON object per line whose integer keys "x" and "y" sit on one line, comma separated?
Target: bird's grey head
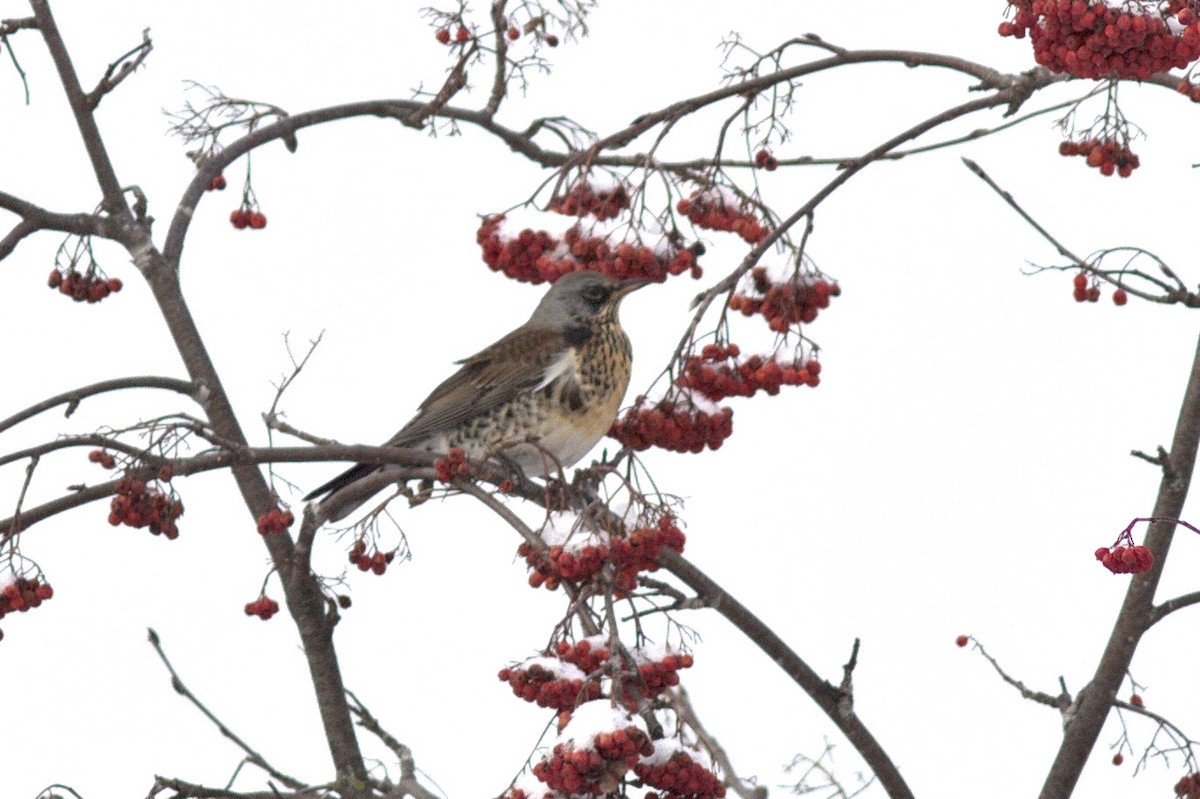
{"x": 578, "y": 299}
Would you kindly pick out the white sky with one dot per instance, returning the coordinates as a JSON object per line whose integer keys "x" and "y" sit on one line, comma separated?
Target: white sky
{"x": 966, "y": 451}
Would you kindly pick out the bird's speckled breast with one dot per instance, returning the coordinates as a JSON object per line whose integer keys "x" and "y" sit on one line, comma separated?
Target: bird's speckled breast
{"x": 589, "y": 396}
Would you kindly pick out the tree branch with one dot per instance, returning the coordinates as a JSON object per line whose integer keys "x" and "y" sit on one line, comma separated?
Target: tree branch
{"x": 73, "y": 397}
{"x": 1137, "y": 612}
{"x": 181, "y": 689}
{"x": 827, "y": 697}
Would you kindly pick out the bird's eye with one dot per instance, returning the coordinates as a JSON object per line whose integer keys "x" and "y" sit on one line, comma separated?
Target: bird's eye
{"x": 596, "y": 294}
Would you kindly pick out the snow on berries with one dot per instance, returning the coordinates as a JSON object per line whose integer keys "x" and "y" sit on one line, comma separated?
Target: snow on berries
{"x": 716, "y": 208}
{"x": 572, "y": 243}
{"x": 370, "y": 559}
{"x": 674, "y": 424}
{"x": 551, "y": 682}
{"x": 89, "y": 286}
{"x": 783, "y": 300}
{"x": 139, "y": 505}
{"x": 1107, "y": 38}
{"x": 577, "y": 553}
{"x": 679, "y": 772}
{"x": 275, "y": 521}
{"x": 594, "y": 751}
{"x": 264, "y": 607}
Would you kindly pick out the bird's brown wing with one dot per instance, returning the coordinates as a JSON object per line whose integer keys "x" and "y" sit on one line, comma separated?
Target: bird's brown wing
{"x": 524, "y": 360}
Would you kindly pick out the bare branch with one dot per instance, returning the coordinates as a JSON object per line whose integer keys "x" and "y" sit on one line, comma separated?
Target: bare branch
{"x": 1061, "y": 702}
{"x": 408, "y": 783}
{"x": 119, "y": 70}
{"x": 183, "y": 691}
{"x": 1160, "y": 611}
{"x": 75, "y": 396}
{"x": 826, "y": 696}
{"x": 102, "y": 166}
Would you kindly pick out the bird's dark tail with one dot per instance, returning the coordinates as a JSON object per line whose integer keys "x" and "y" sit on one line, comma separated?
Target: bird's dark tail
{"x": 341, "y": 481}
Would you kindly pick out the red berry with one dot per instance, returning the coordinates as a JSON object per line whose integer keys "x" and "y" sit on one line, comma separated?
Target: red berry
{"x": 462, "y": 35}
{"x": 257, "y": 220}
{"x": 1081, "y": 281}
{"x": 1118, "y": 759}
{"x": 217, "y": 183}
{"x": 1120, "y": 297}
{"x": 961, "y": 640}
{"x": 239, "y": 218}
{"x": 1136, "y": 701}
{"x": 513, "y": 34}
{"x": 551, "y": 40}
{"x": 443, "y": 35}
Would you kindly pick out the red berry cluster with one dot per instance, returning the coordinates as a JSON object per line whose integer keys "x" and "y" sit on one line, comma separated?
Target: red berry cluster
{"x": 1094, "y": 39}
{"x": 583, "y": 199}
{"x": 551, "y": 683}
{"x": 716, "y": 374}
{"x": 453, "y": 466}
{"x": 137, "y": 505}
{"x": 1125, "y": 560}
{"x": 84, "y": 286}
{"x": 663, "y": 673}
{"x": 23, "y": 595}
{"x": 588, "y": 654}
{"x": 630, "y": 555}
{"x": 637, "y": 552}
{"x": 673, "y": 426}
{"x": 275, "y": 521}
{"x": 217, "y": 183}
{"x": 536, "y": 256}
{"x": 376, "y": 561}
{"x": 264, "y": 607}
{"x": 764, "y": 160}
{"x": 461, "y": 35}
{"x": 103, "y": 458}
{"x": 1089, "y": 291}
{"x": 1107, "y": 155}
{"x": 516, "y": 256}
{"x": 595, "y": 767}
{"x": 563, "y": 564}
{"x": 713, "y": 210}
{"x": 246, "y": 217}
{"x": 784, "y": 304}
{"x": 1188, "y": 787}
{"x": 679, "y": 776}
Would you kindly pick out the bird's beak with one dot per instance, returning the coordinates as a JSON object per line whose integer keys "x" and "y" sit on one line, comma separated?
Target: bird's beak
{"x": 630, "y": 286}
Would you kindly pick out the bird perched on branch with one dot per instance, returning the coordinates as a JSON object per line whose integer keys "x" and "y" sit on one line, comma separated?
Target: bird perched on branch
{"x": 559, "y": 378}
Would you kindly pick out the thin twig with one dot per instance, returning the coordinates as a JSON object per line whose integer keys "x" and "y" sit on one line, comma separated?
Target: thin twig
{"x": 183, "y": 691}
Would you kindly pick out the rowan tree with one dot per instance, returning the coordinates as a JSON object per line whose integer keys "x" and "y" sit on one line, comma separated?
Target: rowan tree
{"x": 721, "y": 195}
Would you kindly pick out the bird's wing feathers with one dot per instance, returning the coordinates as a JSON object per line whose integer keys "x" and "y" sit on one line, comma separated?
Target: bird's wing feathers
{"x": 526, "y": 360}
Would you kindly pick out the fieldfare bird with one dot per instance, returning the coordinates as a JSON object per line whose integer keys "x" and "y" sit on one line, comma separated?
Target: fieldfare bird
{"x": 558, "y": 379}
